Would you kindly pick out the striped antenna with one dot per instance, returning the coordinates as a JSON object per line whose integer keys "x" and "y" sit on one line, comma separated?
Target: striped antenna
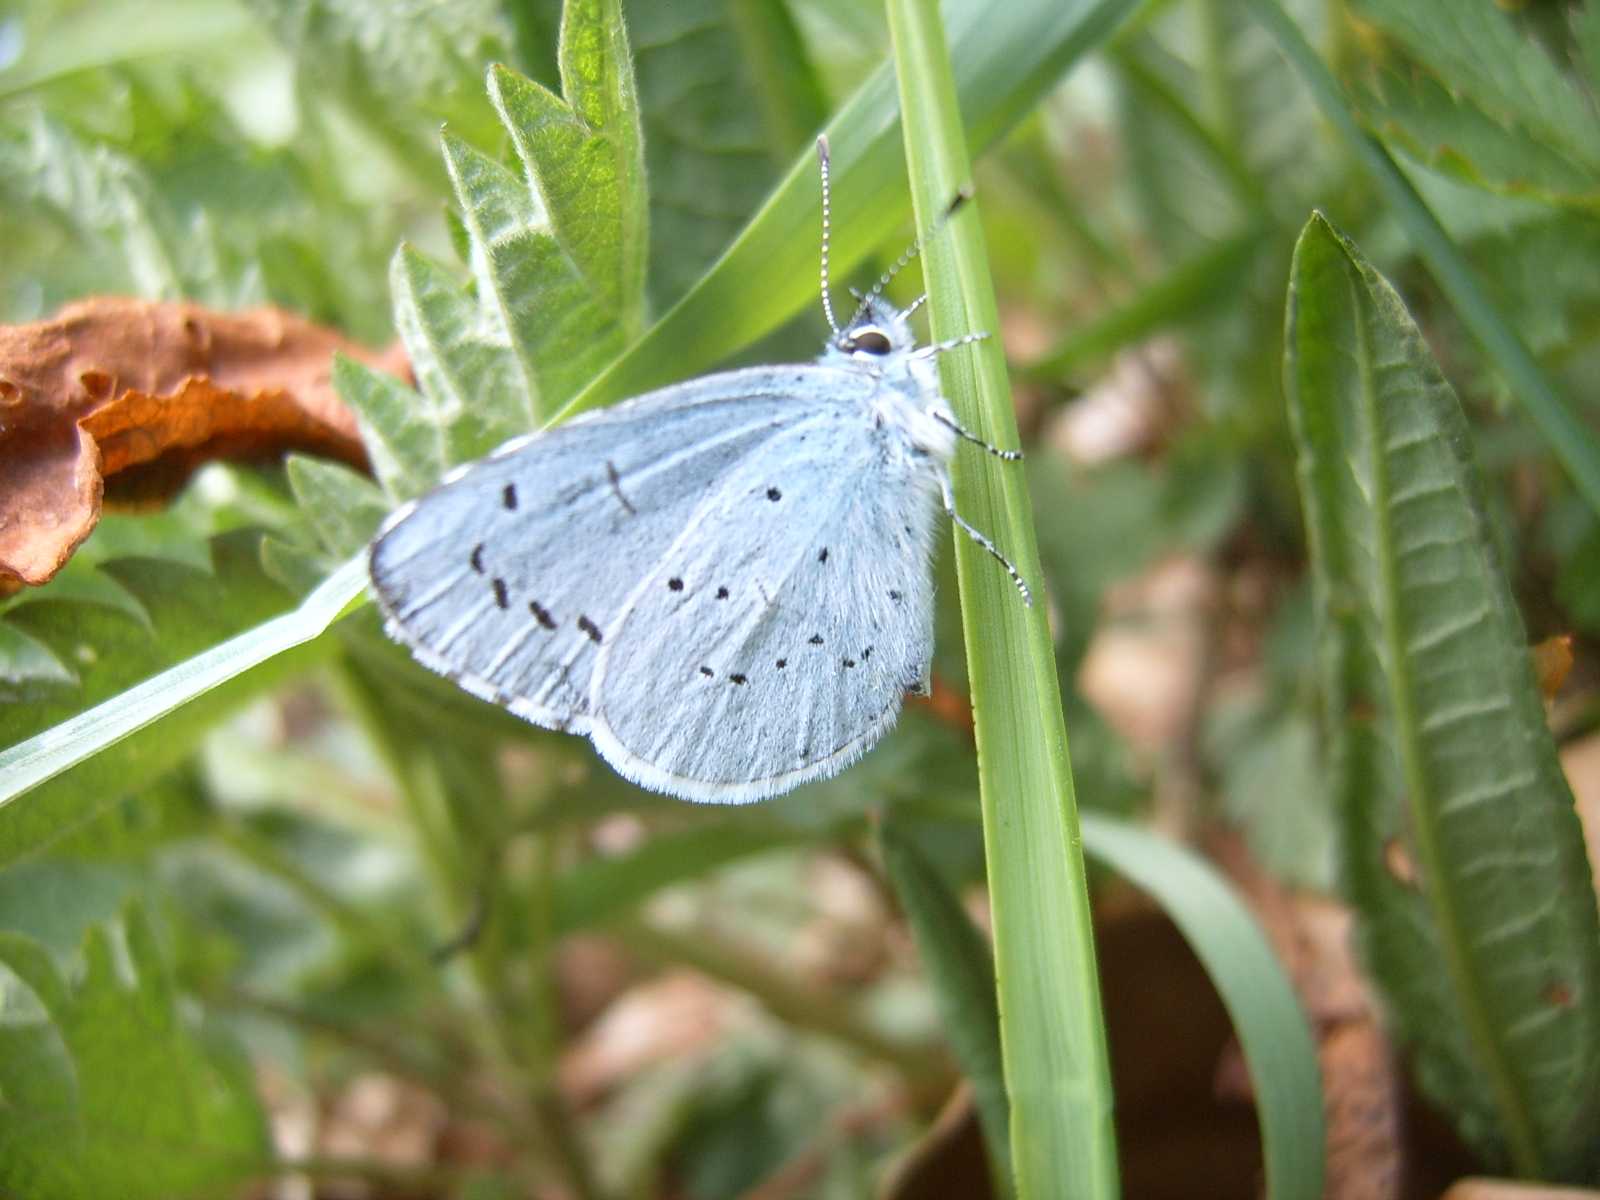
{"x": 827, "y": 300}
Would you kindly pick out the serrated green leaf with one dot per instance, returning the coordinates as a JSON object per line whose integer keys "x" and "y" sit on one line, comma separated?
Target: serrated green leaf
{"x": 585, "y": 154}
{"x": 471, "y": 390}
{"x": 103, "y": 1110}
{"x": 343, "y": 507}
{"x": 1488, "y": 946}
{"x": 408, "y": 451}
{"x": 1477, "y": 51}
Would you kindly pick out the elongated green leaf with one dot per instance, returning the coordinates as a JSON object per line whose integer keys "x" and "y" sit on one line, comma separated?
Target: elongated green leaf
{"x": 1488, "y": 946}
{"x": 1052, "y": 1034}
{"x": 1267, "y": 1017}
{"x": 107, "y": 1093}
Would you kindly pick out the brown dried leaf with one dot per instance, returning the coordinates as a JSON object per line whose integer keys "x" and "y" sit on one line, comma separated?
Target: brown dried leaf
{"x": 139, "y": 393}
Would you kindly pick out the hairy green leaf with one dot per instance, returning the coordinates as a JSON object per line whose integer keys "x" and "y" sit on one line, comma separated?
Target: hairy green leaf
{"x": 343, "y": 507}
{"x": 1461, "y": 848}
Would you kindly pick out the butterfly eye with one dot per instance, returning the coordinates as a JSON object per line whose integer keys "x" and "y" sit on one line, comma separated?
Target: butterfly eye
{"x": 868, "y": 340}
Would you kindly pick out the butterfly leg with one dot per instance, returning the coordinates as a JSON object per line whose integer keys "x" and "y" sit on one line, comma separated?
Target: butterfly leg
{"x": 980, "y": 539}
{"x": 967, "y": 435}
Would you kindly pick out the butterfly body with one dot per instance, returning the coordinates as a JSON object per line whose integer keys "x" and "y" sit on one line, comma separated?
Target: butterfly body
{"x": 725, "y": 584}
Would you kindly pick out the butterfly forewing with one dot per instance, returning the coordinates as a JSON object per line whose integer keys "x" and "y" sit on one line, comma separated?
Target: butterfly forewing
{"x": 773, "y": 640}
{"x": 507, "y": 577}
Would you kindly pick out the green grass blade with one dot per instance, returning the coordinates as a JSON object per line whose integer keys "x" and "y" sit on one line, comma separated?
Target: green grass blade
{"x": 1488, "y": 945}
{"x": 1053, "y": 1038}
{"x": 1569, "y": 438}
{"x": 28, "y": 764}
{"x": 1266, "y": 1015}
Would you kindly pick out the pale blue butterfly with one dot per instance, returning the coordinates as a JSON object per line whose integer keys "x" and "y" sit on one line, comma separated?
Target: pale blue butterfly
{"x": 727, "y": 585}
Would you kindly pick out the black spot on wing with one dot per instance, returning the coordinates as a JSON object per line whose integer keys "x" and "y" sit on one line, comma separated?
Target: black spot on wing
{"x": 502, "y": 597}
{"x": 475, "y": 561}
{"x": 541, "y": 614}
{"x": 590, "y": 628}
{"x": 508, "y": 497}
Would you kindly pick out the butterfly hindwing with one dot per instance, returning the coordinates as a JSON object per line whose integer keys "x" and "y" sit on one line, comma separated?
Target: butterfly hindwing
{"x": 506, "y": 577}
{"x": 774, "y": 640}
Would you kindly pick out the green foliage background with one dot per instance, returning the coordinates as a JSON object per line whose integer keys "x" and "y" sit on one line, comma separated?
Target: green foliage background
{"x": 264, "y": 871}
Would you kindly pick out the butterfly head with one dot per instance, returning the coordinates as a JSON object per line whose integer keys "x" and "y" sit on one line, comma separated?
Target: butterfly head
{"x": 876, "y": 332}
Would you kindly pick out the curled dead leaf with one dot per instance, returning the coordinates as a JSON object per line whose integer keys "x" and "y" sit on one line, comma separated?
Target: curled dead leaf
{"x": 135, "y": 394}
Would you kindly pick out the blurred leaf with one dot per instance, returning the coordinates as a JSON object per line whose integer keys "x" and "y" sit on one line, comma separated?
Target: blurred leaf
{"x": 1568, "y": 437}
{"x": 1507, "y": 76}
{"x": 110, "y": 1093}
{"x": 1270, "y": 789}
{"x": 1462, "y": 850}
{"x": 727, "y": 98}
{"x": 960, "y": 968}
{"x": 589, "y": 894}
{"x": 378, "y": 59}
{"x": 1444, "y": 129}
{"x": 1266, "y": 1015}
